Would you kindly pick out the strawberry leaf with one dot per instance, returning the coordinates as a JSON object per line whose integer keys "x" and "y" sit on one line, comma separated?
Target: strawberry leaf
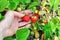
{"x": 51, "y": 2}
{"x": 3, "y": 4}
{"x": 56, "y": 4}
{"x": 47, "y": 30}
{"x": 22, "y": 34}
{"x": 12, "y": 5}
{"x": 25, "y": 1}
{"x": 33, "y": 4}
{"x": 16, "y": 2}
{"x": 8, "y": 38}
{"x": 58, "y": 11}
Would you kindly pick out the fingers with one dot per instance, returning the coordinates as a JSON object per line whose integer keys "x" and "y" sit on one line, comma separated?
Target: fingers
{"x": 28, "y": 25}
{"x": 9, "y": 18}
{"x": 21, "y": 14}
{"x": 14, "y": 13}
{"x": 21, "y": 24}
{"x": 26, "y": 12}
{"x": 18, "y": 14}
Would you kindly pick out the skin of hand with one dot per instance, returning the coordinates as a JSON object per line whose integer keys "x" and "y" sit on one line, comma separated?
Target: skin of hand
{"x": 12, "y": 22}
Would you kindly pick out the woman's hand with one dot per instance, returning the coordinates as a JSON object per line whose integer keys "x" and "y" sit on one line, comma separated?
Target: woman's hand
{"x": 12, "y": 22}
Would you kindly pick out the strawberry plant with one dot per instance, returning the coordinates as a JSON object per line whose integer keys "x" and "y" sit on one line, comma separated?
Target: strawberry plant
{"x": 22, "y": 35}
{"x": 45, "y": 19}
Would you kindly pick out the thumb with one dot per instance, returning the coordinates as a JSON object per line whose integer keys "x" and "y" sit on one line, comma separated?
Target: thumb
{"x": 8, "y": 20}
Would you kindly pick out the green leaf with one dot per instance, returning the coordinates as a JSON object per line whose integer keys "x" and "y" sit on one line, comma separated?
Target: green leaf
{"x": 55, "y": 20}
{"x": 25, "y": 1}
{"x": 55, "y": 7}
{"x": 12, "y": 5}
{"x": 3, "y": 4}
{"x": 22, "y": 34}
{"x": 54, "y": 23}
{"x": 51, "y": 2}
{"x": 37, "y": 1}
{"x": 33, "y": 4}
{"x": 8, "y": 38}
{"x": 15, "y": 1}
{"x": 56, "y": 4}
{"x": 47, "y": 30}
{"x": 57, "y": 32}
{"x": 23, "y": 7}
{"x": 58, "y": 11}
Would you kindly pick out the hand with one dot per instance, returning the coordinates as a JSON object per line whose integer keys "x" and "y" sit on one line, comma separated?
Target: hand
{"x": 12, "y": 22}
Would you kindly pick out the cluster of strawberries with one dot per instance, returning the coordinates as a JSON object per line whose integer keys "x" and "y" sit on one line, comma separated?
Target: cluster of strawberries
{"x": 33, "y": 18}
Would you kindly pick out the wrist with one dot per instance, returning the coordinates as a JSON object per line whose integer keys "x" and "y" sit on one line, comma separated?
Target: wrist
{"x": 1, "y": 36}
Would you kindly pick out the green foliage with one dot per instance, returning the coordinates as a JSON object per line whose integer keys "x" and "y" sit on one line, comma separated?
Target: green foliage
{"x": 52, "y": 27}
{"x": 33, "y": 4}
{"x": 8, "y": 38}
{"x": 59, "y": 12}
{"x": 10, "y": 4}
{"x": 57, "y": 32}
{"x": 13, "y": 4}
{"x": 47, "y": 30}
{"x": 22, "y": 34}
{"x": 54, "y": 3}
{"x": 55, "y": 20}
{"x": 38, "y": 25}
{"x": 3, "y": 4}
{"x": 15, "y": 1}
{"x": 51, "y": 2}
{"x": 25, "y": 1}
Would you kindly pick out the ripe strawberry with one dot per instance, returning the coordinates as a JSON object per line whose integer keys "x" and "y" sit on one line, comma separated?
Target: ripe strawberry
{"x": 26, "y": 18}
{"x": 34, "y": 19}
{"x": 37, "y": 15}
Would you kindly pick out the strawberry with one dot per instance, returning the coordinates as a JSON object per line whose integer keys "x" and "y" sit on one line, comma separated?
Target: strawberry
{"x": 37, "y": 15}
{"x": 34, "y": 19}
{"x": 26, "y": 18}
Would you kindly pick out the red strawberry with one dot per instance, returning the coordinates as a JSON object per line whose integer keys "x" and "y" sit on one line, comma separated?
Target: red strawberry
{"x": 37, "y": 15}
{"x": 26, "y": 18}
{"x": 34, "y": 19}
